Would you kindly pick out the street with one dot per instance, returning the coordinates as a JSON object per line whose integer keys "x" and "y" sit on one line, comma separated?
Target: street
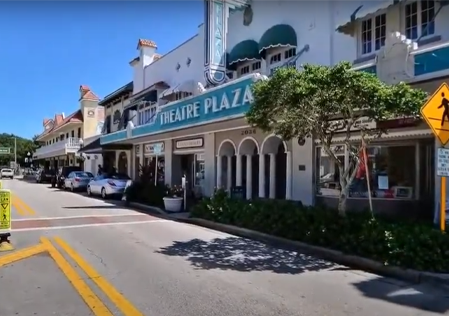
{"x": 84, "y": 256}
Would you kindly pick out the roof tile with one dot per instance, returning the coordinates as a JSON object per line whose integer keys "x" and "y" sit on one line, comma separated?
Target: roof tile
{"x": 146, "y": 43}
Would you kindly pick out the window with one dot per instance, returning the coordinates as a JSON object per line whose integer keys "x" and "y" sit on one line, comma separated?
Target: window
{"x": 275, "y": 58}
{"x": 391, "y": 171}
{"x": 373, "y": 34}
{"x": 256, "y": 65}
{"x": 419, "y": 19}
{"x": 244, "y": 70}
{"x": 67, "y": 135}
{"x": 290, "y": 53}
{"x": 73, "y": 133}
{"x": 182, "y": 95}
{"x": 79, "y": 132}
{"x": 230, "y": 75}
{"x": 147, "y": 115}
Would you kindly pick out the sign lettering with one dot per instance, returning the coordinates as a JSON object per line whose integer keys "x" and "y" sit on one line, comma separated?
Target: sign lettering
{"x": 236, "y": 98}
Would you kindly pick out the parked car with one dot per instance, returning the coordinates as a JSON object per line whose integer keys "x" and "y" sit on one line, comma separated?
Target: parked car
{"x": 45, "y": 175}
{"x": 77, "y": 180}
{"x": 7, "y": 173}
{"x": 108, "y": 185}
{"x": 58, "y": 179}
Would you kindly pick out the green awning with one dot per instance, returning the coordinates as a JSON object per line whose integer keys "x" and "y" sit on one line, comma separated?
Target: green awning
{"x": 244, "y": 51}
{"x": 280, "y": 35}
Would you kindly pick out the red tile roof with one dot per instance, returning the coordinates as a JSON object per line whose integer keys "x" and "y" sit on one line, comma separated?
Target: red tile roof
{"x": 60, "y": 121}
{"x": 146, "y": 43}
{"x": 86, "y": 93}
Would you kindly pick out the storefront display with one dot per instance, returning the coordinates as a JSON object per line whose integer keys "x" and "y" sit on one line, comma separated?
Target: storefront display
{"x": 390, "y": 173}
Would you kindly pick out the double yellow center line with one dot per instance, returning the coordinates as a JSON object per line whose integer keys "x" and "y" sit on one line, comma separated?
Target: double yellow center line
{"x": 21, "y": 207}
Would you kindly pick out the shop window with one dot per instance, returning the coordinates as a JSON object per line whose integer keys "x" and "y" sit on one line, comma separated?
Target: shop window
{"x": 391, "y": 173}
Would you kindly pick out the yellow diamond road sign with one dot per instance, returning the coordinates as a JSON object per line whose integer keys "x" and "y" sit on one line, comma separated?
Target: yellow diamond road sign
{"x": 436, "y": 113}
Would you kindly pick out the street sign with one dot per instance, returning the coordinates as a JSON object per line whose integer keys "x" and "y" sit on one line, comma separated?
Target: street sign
{"x": 436, "y": 113}
{"x": 5, "y": 150}
{"x": 443, "y": 162}
{"x": 157, "y": 149}
{"x": 5, "y": 211}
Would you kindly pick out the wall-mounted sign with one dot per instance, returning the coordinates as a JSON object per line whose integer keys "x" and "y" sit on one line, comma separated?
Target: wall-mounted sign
{"x": 137, "y": 149}
{"x": 189, "y": 143}
{"x": 247, "y": 132}
{"x": 149, "y": 149}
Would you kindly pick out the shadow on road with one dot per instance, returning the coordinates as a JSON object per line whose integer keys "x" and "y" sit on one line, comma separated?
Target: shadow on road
{"x": 99, "y": 207}
{"x": 422, "y": 296}
{"x": 233, "y": 253}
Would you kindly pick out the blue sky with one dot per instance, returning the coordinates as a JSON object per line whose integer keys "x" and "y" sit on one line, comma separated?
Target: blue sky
{"x": 48, "y": 49}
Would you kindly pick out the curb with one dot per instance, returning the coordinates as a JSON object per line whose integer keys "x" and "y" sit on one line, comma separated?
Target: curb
{"x": 321, "y": 252}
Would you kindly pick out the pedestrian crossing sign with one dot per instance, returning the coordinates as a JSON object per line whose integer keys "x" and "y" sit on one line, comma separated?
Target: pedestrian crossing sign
{"x": 436, "y": 113}
{"x": 5, "y": 210}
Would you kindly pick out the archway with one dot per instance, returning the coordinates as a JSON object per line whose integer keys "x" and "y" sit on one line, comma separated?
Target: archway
{"x": 123, "y": 163}
{"x": 226, "y": 162}
{"x": 274, "y": 150}
{"x": 247, "y": 166}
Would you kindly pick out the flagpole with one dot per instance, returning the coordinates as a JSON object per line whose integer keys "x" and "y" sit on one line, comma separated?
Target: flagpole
{"x": 365, "y": 158}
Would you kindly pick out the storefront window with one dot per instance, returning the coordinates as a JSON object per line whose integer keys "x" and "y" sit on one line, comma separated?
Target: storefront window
{"x": 391, "y": 173}
{"x": 155, "y": 167}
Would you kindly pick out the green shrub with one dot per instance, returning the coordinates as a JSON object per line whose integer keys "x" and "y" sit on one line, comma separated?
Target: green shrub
{"x": 409, "y": 245}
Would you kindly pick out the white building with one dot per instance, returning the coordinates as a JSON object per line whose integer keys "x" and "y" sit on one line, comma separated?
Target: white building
{"x": 187, "y": 108}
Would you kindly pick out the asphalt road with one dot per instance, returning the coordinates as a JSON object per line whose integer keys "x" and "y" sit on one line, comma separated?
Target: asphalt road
{"x": 96, "y": 258}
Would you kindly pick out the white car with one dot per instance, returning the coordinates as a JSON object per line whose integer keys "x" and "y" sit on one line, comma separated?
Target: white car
{"x": 7, "y": 173}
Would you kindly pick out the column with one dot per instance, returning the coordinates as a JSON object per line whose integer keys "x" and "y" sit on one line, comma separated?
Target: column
{"x": 168, "y": 155}
{"x": 261, "y": 175}
{"x": 249, "y": 177}
{"x": 288, "y": 178}
{"x": 238, "y": 176}
{"x": 229, "y": 175}
{"x": 219, "y": 171}
{"x": 272, "y": 176}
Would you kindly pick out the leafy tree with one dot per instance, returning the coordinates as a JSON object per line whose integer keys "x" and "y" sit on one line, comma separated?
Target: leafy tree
{"x": 320, "y": 101}
{"x": 23, "y": 147}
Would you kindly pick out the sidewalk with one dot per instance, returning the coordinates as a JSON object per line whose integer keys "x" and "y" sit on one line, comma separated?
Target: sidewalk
{"x": 436, "y": 279}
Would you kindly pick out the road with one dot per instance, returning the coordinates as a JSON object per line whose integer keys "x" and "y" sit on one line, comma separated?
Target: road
{"x": 84, "y": 256}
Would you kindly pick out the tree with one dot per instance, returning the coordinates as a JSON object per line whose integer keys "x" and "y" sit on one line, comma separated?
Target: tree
{"x": 320, "y": 101}
{"x": 23, "y": 147}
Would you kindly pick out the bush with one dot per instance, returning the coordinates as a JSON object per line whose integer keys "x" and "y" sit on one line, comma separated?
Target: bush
{"x": 408, "y": 245}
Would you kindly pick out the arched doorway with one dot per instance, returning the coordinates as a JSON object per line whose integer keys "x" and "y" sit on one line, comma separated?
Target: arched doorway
{"x": 123, "y": 163}
{"x": 226, "y": 162}
{"x": 274, "y": 150}
{"x": 247, "y": 172}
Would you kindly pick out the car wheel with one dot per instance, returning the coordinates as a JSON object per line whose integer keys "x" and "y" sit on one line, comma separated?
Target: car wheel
{"x": 103, "y": 193}
{"x": 53, "y": 184}
{"x": 89, "y": 192}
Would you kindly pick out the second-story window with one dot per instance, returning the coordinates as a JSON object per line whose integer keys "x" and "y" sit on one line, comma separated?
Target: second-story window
{"x": 290, "y": 53}
{"x": 244, "y": 70}
{"x": 73, "y": 133}
{"x": 276, "y": 58}
{"x": 373, "y": 34}
{"x": 419, "y": 19}
{"x": 256, "y": 65}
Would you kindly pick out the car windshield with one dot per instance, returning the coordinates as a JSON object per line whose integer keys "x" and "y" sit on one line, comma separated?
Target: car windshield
{"x": 7, "y": 170}
{"x": 82, "y": 174}
{"x": 119, "y": 176}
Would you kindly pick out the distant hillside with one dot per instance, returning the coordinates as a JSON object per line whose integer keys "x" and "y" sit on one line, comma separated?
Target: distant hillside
{"x": 23, "y": 147}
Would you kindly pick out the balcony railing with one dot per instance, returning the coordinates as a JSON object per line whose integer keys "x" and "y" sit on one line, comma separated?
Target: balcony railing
{"x": 62, "y": 147}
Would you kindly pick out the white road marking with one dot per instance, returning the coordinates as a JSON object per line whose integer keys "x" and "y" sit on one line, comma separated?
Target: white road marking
{"x": 87, "y": 225}
{"x": 74, "y": 217}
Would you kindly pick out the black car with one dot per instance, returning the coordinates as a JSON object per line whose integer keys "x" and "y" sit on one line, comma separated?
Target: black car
{"x": 45, "y": 175}
{"x": 58, "y": 179}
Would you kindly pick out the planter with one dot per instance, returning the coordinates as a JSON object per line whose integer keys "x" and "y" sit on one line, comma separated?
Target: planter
{"x": 173, "y": 204}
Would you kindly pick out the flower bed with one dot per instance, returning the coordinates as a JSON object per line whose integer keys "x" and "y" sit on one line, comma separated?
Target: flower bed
{"x": 407, "y": 245}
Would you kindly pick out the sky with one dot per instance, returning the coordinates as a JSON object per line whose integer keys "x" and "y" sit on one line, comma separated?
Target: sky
{"x": 48, "y": 49}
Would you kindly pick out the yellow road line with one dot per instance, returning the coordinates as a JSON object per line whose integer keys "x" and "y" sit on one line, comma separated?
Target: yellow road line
{"x": 18, "y": 208}
{"x": 125, "y": 306}
{"x": 92, "y": 300}
{"x": 23, "y": 206}
{"x": 22, "y": 254}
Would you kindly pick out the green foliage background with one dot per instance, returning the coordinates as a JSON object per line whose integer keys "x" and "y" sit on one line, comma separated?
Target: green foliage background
{"x": 23, "y": 147}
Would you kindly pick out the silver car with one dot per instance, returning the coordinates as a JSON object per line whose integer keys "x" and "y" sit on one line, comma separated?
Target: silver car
{"x": 108, "y": 185}
{"x": 77, "y": 180}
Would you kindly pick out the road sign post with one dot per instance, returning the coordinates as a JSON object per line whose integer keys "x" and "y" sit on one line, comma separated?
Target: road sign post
{"x": 436, "y": 113}
{"x": 5, "y": 220}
